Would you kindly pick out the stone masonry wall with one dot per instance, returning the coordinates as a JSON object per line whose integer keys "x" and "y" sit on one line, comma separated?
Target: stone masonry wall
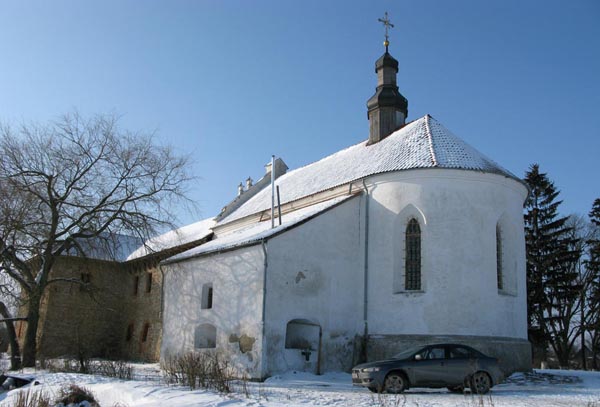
{"x": 142, "y": 319}
{"x": 77, "y": 319}
{"x": 109, "y": 319}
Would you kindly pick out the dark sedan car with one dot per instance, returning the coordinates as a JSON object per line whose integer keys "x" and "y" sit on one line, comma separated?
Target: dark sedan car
{"x": 444, "y": 365}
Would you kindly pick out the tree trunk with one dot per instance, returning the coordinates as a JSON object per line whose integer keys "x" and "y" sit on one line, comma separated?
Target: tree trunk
{"x": 582, "y": 328}
{"x": 30, "y": 343}
{"x": 15, "y": 351}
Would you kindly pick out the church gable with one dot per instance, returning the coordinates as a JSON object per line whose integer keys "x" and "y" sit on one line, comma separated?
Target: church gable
{"x": 423, "y": 143}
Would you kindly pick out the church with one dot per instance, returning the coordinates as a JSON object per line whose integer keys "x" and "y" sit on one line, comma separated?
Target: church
{"x": 408, "y": 238}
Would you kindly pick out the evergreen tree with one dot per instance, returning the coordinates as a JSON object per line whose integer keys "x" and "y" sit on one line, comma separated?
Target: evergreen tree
{"x": 593, "y": 292}
{"x": 552, "y": 279}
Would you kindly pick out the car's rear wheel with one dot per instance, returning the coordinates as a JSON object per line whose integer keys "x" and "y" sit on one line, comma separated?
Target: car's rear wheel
{"x": 480, "y": 383}
{"x": 394, "y": 383}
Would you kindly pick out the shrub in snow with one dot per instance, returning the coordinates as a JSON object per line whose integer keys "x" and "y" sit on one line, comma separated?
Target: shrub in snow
{"x": 75, "y": 396}
{"x": 32, "y": 398}
{"x": 199, "y": 370}
{"x": 114, "y": 368}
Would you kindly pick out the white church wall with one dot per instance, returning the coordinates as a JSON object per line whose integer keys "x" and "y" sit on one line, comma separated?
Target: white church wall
{"x": 457, "y": 212}
{"x": 315, "y": 277}
{"x": 236, "y": 281}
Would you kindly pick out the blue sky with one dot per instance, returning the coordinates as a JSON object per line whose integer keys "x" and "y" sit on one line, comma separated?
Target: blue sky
{"x": 232, "y": 82}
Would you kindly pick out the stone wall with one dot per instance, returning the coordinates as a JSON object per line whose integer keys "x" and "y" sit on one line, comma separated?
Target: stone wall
{"x": 82, "y": 319}
{"x": 230, "y": 323}
{"x": 95, "y": 320}
{"x": 142, "y": 312}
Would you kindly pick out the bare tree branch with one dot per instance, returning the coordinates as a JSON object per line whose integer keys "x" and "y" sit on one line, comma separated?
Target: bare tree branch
{"x": 72, "y": 185}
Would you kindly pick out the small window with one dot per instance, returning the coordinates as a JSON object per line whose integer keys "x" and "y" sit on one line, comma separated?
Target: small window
{"x": 205, "y": 336}
{"x": 207, "y": 296}
{"x": 136, "y": 283}
{"x": 412, "y": 251}
{"x": 129, "y": 334}
{"x": 86, "y": 279}
{"x": 148, "y": 282}
{"x": 145, "y": 332}
{"x": 499, "y": 270}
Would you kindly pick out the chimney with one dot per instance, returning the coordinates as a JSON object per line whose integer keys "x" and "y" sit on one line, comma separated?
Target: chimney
{"x": 253, "y": 188}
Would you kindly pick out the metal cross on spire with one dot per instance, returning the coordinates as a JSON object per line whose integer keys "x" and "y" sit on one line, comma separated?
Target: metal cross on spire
{"x": 386, "y": 21}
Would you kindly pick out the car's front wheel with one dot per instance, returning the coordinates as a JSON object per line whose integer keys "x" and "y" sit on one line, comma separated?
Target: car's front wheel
{"x": 395, "y": 383}
{"x": 480, "y": 383}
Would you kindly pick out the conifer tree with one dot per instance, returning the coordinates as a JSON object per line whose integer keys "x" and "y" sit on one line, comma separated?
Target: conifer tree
{"x": 593, "y": 292}
{"x": 552, "y": 278}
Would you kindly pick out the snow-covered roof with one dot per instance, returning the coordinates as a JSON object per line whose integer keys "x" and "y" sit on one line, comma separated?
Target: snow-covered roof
{"x": 258, "y": 231}
{"x": 107, "y": 246}
{"x": 174, "y": 238}
{"x": 423, "y": 143}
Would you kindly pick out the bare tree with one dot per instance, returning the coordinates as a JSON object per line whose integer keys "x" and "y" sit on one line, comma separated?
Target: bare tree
{"x": 9, "y": 302}
{"x": 73, "y": 182}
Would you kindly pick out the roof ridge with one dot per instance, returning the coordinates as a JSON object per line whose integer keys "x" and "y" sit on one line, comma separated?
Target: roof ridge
{"x": 430, "y": 140}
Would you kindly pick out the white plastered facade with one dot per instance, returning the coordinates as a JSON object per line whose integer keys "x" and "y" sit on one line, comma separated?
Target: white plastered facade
{"x": 315, "y": 272}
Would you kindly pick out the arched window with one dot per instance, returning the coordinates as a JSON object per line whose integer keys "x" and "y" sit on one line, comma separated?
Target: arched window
{"x": 302, "y": 334}
{"x": 412, "y": 251}
{"x": 499, "y": 257}
{"x": 205, "y": 336}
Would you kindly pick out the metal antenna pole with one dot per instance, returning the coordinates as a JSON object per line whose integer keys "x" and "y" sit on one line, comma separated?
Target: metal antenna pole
{"x": 272, "y": 191}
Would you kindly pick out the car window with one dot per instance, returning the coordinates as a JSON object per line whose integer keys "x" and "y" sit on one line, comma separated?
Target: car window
{"x": 435, "y": 353}
{"x": 407, "y": 353}
{"x": 458, "y": 352}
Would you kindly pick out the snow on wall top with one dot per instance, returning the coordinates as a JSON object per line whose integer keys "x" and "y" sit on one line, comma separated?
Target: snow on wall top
{"x": 423, "y": 143}
{"x": 257, "y": 231}
{"x": 107, "y": 246}
{"x": 174, "y": 238}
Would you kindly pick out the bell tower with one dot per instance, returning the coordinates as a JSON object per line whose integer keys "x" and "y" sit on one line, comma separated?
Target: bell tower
{"x": 387, "y": 109}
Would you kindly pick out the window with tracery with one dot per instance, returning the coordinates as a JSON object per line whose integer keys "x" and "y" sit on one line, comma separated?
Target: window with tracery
{"x": 499, "y": 258}
{"x": 412, "y": 249}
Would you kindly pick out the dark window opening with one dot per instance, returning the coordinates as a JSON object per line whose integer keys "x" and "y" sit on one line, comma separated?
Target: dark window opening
{"x": 302, "y": 334}
{"x": 136, "y": 283}
{"x": 145, "y": 332}
{"x": 129, "y": 334}
{"x": 207, "y": 296}
{"x": 499, "y": 257}
{"x": 148, "y": 282}
{"x": 86, "y": 279}
{"x": 205, "y": 336}
{"x": 412, "y": 250}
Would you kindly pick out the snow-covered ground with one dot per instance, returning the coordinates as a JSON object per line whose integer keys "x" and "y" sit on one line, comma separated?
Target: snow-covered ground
{"x": 541, "y": 388}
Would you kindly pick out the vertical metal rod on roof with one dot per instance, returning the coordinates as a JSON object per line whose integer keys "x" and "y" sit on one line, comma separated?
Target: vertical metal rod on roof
{"x": 278, "y": 206}
{"x": 272, "y": 191}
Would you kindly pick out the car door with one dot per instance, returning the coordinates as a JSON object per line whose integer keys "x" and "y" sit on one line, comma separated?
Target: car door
{"x": 460, "y": 364}
{"x": 429, "y": 367}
